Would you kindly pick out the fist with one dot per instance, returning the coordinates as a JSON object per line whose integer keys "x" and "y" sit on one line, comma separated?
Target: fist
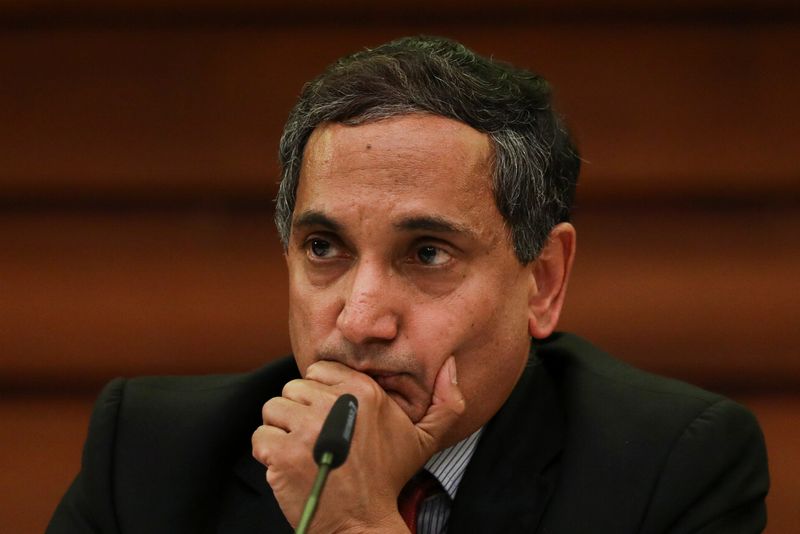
{"x": 387, "y": 447}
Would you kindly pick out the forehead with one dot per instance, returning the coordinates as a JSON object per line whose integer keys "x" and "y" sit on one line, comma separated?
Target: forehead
{"x": 411, "y": 162}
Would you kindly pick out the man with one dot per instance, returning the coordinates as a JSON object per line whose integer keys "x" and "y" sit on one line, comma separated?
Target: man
{"x": 424, "y": 212}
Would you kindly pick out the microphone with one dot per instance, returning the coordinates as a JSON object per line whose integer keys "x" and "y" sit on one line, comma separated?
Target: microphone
{"x": 337, "y": 431}
{"x": 330, "y": 451}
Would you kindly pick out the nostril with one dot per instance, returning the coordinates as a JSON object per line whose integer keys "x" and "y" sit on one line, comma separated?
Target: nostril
{"x": 360, "y": 323}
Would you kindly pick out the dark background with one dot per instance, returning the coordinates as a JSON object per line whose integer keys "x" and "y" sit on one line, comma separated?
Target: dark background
{"x": 137, "y": 168}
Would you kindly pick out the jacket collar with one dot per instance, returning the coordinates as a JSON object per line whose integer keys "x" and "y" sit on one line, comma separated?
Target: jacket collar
{"x": 511, "y": 477}
{"x": 507, "y": 484}
{"x": 247, "y": 504}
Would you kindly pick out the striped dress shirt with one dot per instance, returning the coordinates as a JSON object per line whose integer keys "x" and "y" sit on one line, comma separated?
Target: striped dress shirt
{"x": 448, "y": 467}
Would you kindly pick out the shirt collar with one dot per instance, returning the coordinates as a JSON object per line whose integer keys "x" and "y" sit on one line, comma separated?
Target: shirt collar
{"x": 449, "y": 465}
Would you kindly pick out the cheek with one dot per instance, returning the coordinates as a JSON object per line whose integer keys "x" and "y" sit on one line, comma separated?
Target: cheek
{"x": 478, "y": 330}
{"x": 312, "y": 316}
{"x": 493, "y": 357}
{"x": 492, "y": 316}
{"x": 489, "y": 334}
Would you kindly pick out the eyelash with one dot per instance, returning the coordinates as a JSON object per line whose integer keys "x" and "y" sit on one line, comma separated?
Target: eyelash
{"x": 414, "y": 254}
{"x": 309, "y": 244}
{"x": 439, "y": 251}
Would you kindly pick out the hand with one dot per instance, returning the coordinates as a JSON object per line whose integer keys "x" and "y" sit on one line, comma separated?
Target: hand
{"x": 387, "y": 448}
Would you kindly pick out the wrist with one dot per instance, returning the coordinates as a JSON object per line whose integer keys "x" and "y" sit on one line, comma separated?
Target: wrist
{"x": 390, "y": 524}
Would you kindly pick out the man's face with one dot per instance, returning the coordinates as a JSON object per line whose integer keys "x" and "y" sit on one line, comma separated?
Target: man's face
{"x": 399, "y": 258}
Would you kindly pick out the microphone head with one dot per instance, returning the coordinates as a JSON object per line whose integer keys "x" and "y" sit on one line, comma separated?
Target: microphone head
{"x": 337, "y": 431}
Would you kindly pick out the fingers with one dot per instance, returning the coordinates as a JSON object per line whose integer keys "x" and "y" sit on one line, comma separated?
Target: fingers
{"x": 386, "y": 441}
{"x": 282, "y": 413}
{"x": 305, "y": 403}
{"x": 266, "y": 441}
{"x": 288, "y": 424}
{"x": 445, "y": 389}
{"x": 305, "y": 392}
{"x": 339, "y": 378}
{"x": 302, "y": 406}
{"x": 300, "y": 412}
{"x": 331, "y": 373}
{"x": 447, "y": 406}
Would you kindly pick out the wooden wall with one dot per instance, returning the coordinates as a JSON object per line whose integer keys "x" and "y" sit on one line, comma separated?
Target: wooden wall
{"x": 137, "y": 167}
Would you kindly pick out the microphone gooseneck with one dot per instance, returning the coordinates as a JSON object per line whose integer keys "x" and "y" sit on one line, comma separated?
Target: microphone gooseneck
{"x": 330, "y": 451}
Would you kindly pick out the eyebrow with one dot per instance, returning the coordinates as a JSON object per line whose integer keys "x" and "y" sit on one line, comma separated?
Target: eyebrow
{"x": 408, "y": 224}
{"x": 316, "y": 218}
{"x": 433, "y": 224}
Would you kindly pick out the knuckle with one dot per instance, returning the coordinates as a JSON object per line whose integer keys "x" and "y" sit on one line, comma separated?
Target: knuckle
{"x": 260, "y": 445}
{"x": 274, "y": 478}
{"x": 291, "y": 387}
{"x": 264, "y": 412}
{"x": 313, "y": 370}
{"x": 365, "y": 388}
{"x": 269, "y": 409}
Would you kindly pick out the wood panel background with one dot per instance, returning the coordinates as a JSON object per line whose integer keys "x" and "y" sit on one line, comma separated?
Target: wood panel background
{"x": 137, "y": 167}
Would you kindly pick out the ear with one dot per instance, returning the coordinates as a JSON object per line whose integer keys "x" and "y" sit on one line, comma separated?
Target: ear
{"x": 550, "y": 273}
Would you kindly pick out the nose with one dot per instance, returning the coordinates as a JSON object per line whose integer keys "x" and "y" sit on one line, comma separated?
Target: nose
{"x": 368, "y": 315}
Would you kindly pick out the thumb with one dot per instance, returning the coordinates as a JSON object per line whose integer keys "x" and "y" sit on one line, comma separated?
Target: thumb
{"x": 447, "y": 406}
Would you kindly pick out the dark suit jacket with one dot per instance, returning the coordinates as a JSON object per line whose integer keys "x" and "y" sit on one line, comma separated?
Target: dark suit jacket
{"x": 584, "y": 444}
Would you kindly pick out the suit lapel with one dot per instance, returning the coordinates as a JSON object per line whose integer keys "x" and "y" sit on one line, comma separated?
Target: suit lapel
{"x": 247, "y": 504}
{"x": 511, "y": 477}
{"x": 506, "y": 487}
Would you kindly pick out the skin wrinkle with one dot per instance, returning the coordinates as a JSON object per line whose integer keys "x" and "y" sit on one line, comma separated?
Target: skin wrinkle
{"x": 536, "y": 165}
{"x": 393, "y": 163}
{"x": 477, "y": 297}
{"x": 423, "y": 182}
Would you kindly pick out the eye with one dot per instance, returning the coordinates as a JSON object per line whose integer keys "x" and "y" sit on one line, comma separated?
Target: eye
{"x": 430, "y": 255}
{"x": 319, "y": 247}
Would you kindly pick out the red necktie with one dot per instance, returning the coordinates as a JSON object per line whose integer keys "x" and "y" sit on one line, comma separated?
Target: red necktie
{"x": 416, "y": 490}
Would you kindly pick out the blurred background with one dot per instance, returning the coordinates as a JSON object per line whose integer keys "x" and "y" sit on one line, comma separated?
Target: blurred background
{"x": 138, "y": 144}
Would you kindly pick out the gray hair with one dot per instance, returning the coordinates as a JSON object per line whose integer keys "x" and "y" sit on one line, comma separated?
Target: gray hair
{"x": 535, "y": 163}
